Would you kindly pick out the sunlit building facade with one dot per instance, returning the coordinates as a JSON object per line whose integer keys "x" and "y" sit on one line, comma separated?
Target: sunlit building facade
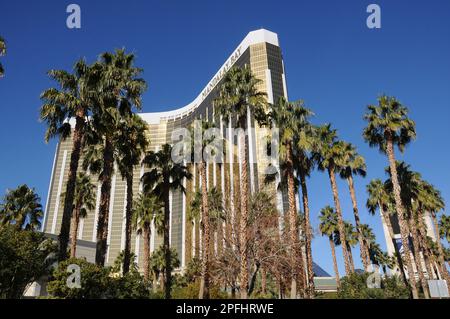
{"x": 261, "y": 51}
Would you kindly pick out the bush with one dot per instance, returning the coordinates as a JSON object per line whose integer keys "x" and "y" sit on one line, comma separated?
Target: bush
{"x": 355, "y": 287}
{"x": 25, "y": 256}
{"x": 97, "y": 282}
{"x": 191, "y": 291}
{"x": 93, "y": 282}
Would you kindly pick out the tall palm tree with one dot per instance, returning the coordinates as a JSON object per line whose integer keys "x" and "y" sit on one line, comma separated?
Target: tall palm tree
{"x": 304, "y": 165}
{"x": 22, "y": 208}
{"x": 354, "y": 164}
{"x": 84, "y": 200}
{"x": 389, "y": 126}
{"x": 238, "y": 98}
{"x": 380, "y": 199}
{"x": 329, "y": 227}
{"x": 147, "y": 207}
{"x": 72, "y": 100}
{"x": 119, "y": 92}
{"x": 328, "y": 154}
{"x": 164, "y": 176}
{"x": 201, "y": 141}
{"x": 289, "y": 117}
{"x": 2, "y": 53}
{"x": 131, "y": 143}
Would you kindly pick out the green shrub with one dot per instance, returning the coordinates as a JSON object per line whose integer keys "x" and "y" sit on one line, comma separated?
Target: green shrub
{"x": 355, "y": 287}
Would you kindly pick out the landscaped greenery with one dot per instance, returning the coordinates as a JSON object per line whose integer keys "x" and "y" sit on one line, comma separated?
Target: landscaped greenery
{"x": 262, "y": 255}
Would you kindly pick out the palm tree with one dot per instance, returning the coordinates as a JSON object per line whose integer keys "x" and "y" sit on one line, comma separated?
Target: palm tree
{"x": 131, "y": 143}
{"x": 147, "y": 206}
{"x": 120, "y": 91}
{"x": 2, "y": 53}
{"x": 84, "y": 200}
{"x": 352, "y": 239}
{"x": 444, "y": 227}
{"x": 409, "y": 182}
{"x": 289, "y": 118}
{"x": 433, "y": 202}
{"x": 328, "y": 154}
{"x": 22, "y": 208}
{"x": 354, "y": 164}
{"x": 380, "y": 199}
{"x": 304, "y": 165}
{"x": 238, "y": 98}
{"x": 329, "y": 227}
{"x": 164, "y": 176}
{"x": 118, "y": 263}
{"x": 201, "y": 141}
{"x": 389, "y": 125}
{"x": 158, "y": 264}
{"x": 72, "y": 100}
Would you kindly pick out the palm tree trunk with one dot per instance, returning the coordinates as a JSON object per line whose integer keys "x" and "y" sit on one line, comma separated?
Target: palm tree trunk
{"x": 441, "y": 259}
{"x": 128, "y": 216}
{"x": 350, "y": 257}
{"x": 263, "y": 280}
{"x": 293, "y": 231}
{"x": 362, "y": 244}
{"x": 388, "y": 223}
{"x": 422, "y": 235}
{"x": 341, "y": 226}
{"x": 204, "y": 282}
{"x": 166, "y": 244}
{"x": 308, "y": 234}
{"x": 418, "y": 257}
{"x": 401, "y": 218}
{"x": 74, "y": 231}
{"x": 243, "y": 233}
{"x": 70, "y": 186}
{"x": 335, "y": 264}
{"x": 146, "y": 233}
{"x": 105, "y": 195}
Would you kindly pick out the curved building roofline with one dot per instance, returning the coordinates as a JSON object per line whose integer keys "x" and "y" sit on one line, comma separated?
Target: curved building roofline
{"x": 253, "y": 37}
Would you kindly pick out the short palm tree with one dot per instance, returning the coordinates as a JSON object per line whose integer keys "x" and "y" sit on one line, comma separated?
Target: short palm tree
{"x": 158, "y": 264}
{"x": 239, "y": 96}
{"x": 2, "y": 53}
{"x": 380, "y": 199}
{"x": 328, "y": 154}
{"x": 22, "y": 208}
{"x": 410, "y": 182}
{"x": 444, "y": 227}
{"x": 147, "y": 206}
{"x": 73, "y": 100}
{"x": 164, "y": 176}
{"x": 84, "y": 201}
{"x": 118, "y": 263}
{"x": 352, "y": 239}
{"x": 388, "y": 125}
{"x": 131, "y": 144}
{"x": 329, "y": 227}
{"x": 354, "y": 164}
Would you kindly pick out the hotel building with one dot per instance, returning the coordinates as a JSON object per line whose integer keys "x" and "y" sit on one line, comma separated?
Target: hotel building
{"x": 260, "y": 50}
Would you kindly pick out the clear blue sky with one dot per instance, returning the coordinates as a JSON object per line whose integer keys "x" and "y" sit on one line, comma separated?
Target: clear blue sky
{"x": 333, "y": 62}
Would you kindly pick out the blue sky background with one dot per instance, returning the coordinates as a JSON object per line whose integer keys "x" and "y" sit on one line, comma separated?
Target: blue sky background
{"x": 333, "y": 62}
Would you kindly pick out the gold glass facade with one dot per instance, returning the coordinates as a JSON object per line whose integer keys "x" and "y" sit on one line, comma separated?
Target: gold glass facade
{"x": 259, "y": 50}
